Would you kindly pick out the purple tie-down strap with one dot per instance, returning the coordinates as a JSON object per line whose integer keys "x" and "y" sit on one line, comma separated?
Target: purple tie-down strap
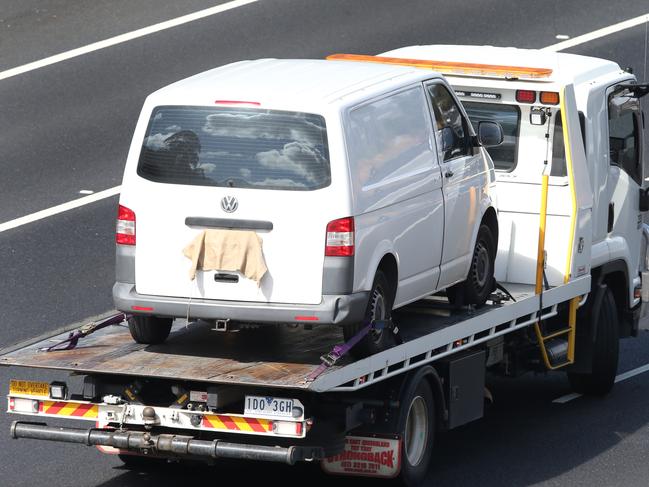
{"x": 73, "y": 338}
{"x": 330, "y": 359}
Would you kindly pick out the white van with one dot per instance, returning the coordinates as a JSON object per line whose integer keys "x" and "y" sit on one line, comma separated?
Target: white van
{"x": 365, "y": 184}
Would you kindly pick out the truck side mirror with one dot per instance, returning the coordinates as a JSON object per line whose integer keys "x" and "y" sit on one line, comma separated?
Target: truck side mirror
{"x": 644, "y": 199}
{"x": 490, "y": 134}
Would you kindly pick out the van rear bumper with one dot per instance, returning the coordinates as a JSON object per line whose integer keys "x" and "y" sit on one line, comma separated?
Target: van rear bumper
{"x": 333, "y": 309}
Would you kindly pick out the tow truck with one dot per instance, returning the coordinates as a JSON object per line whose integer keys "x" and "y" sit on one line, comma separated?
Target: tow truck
{"x": 573, "y": 279}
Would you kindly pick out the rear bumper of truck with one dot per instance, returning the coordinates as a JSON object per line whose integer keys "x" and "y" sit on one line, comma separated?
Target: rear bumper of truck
{"x": 338, "y": 309}
{"x": 165, "y": 445}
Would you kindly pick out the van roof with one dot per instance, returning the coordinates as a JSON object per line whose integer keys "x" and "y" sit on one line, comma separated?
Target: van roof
{"x": 566, "y": 68}
{"x": 279, "y": 82}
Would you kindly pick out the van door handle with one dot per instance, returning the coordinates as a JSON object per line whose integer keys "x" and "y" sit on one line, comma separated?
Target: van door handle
{"x": 448, "y": 174}
{"x": 611, "y": 217}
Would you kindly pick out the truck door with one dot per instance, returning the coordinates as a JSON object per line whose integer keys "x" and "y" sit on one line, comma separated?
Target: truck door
{"x": 464, "y": 180}
{"x": 625, "y": 176}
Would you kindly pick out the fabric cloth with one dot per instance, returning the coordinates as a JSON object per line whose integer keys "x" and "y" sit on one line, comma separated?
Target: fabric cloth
{"x": 227, "y": 250}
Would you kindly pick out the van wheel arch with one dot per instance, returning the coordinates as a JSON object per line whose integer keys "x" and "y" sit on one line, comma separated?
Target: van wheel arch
{"x": 388, "y": 265}
{"x": 491, "y": 220}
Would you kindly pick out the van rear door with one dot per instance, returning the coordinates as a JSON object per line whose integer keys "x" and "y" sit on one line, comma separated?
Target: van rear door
{"x": 232, "y": 167}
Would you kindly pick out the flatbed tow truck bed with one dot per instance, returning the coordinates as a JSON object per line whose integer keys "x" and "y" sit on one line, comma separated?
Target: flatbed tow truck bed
{"x": 284, "y": 358}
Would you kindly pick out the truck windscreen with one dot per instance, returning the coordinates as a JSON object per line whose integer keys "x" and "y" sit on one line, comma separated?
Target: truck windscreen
{"x": 509, "y": 117}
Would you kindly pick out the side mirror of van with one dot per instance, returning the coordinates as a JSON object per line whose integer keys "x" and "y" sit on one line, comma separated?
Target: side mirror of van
{"x": 490, "y": 134}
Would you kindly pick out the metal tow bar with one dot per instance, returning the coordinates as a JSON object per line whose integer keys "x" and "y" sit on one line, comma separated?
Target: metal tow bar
{"x": 175, "y": 445}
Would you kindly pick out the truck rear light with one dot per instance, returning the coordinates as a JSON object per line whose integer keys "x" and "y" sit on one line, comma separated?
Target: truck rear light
{"x": 549, "y": 97}
{"x": 340, "y": 238}
{"x": 22, "y": 405}
{"x": 58, "y": 390}
{"x": 125, "y": 230}
{"x": 287, "y": 428}
{"x": 525, "y": 96}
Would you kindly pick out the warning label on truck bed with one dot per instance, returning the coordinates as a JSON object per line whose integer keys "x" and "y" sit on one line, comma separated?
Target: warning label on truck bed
{"x": 372, "y": 457}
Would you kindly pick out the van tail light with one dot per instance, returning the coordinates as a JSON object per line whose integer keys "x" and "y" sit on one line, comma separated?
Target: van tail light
{"x": 525, "y": 96}
{"x": 125, "y": 231}
{"x": 340, "y": 238}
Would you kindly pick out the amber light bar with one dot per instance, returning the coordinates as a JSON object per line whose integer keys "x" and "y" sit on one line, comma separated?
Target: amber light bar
{"x": 448, "y": 67}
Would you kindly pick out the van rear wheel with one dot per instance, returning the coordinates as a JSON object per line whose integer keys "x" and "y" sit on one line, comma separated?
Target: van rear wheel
{"x": 149, "y": 329}
{"x": 379, "y": 307}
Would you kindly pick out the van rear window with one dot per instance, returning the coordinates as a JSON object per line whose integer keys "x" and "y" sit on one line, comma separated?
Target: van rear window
{"x": 509, "y": 118}
{"x": 236, "y": 147}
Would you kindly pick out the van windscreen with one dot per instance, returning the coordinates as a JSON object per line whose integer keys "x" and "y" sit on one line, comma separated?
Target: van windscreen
{"x": 236, "y": 147}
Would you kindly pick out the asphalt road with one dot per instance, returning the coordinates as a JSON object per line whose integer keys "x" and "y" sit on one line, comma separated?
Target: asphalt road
{"x": 66, "y": 128}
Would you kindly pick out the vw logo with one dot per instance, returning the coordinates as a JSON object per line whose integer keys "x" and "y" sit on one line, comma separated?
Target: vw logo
{"x": 229, "y": 204}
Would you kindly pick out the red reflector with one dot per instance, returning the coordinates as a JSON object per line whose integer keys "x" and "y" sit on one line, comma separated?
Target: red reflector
{"x": 12, "y": 404}
{"x": 340, "y": 238}
{"x": 307, "y": 318}
{"x": 298, "y": 429}
{"x": 125, "y": 229}
{"x": 549, "y": 97}
{"x": 525, "y": 96}
{"x": 236, "y": 102}
{"x": 141, "y": 308}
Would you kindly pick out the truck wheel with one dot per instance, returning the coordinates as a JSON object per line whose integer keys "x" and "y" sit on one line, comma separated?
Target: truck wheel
{"x": 379, "y": 307}
{"x": 600, "y": 380}
{"x": 149, "y": 329}
{"x": 480, "y": 280}
{"x": 416, "y": 426}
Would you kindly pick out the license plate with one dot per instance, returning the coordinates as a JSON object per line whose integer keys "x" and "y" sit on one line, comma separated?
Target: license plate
{"x": 29, "y": 388}
{"x": 269, "y": 406}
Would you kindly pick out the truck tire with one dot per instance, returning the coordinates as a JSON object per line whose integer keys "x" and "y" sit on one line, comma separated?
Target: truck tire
{"x": 480, "y": 281}
{"x": 600, "y": 380}
{"x": 150, "y": 330}
{"x": 416, "y": 427}
{"x": 379, "y": 307}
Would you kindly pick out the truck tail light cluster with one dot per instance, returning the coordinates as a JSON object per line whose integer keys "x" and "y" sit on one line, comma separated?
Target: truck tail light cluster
{"x": 545, "y": 97}
{"x": 125, "y": 230}
{"x": 340, "y": 238}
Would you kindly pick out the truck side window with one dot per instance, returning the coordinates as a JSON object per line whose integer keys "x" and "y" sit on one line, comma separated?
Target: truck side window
{"x": 449, "y": 115}
{"x": 623, "y": 136}
{"x": 558, "y": 167}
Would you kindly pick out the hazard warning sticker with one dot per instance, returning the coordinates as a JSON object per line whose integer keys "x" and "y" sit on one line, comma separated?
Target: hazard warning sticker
{"x": 365, "y": 456}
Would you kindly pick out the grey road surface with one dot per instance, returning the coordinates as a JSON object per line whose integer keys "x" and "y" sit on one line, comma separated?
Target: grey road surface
{"x": 66, "y": 128}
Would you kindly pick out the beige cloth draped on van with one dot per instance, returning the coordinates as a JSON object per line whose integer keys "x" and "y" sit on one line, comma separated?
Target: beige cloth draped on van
{"x": 227, "y": 250}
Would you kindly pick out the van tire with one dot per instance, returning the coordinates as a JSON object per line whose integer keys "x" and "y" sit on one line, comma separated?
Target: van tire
{"x": 150, "y": 330}
{"x": 379, "y": 307}
{"x": 480, "y": 282}
{"x": 605, "y": 352}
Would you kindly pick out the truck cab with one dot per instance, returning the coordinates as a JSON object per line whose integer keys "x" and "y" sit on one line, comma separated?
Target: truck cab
{"x": 529, "y": 110}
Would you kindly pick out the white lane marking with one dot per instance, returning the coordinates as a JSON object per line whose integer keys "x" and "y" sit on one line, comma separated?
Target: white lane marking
{"x": 596, "y": 34}
{"x": 39, "y": 215}
{"x": 562, "y": 36}
{"x": 95, "y": 46}
{"x": 195, "y": 16}
{"x": 619, "y": 378}
{"x": 86, "y": 191}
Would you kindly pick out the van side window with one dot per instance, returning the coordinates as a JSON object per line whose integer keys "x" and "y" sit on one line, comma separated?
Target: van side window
{"x": 450, "y": 125}
{"x": 623, "y": 136}
{"x": 389, "y": 138}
